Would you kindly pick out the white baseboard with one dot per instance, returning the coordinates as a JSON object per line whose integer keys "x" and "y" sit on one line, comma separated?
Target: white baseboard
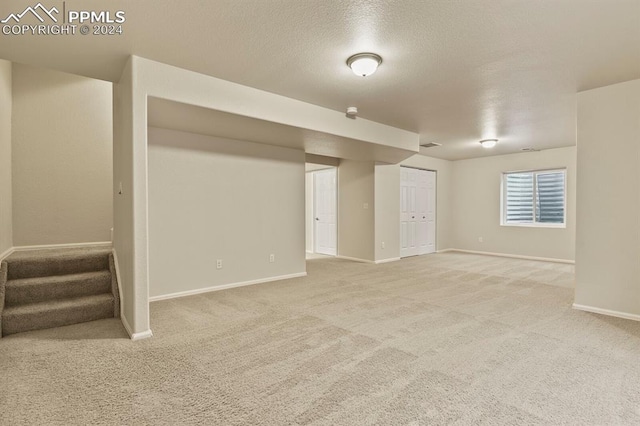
{"x": 391, "y": 259}
{"x": 142, "y": 335}
{"x": 225, "y": 287}
{"x": 106, "y": 244}
{"x": 6, "y": 253}
{"x": 608, "y": 312}
{"x": 355, "y": 259}
{"x": 514, "y": 256}
{"x": 444, "y": 250}
{"x": 135, "y": 336}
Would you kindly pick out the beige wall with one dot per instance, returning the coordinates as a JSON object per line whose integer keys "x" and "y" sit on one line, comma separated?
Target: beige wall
{"x": 608, "y": 232}
{"x": 476, "y": 206}
{"x": 6, "y": 226}
{"x": 62, "y": 158}
{"x": 211, "y": 198}
{"x": 387, "y": 204}
{"x": 356, "y": 209}
{"x": 387, "y": 211}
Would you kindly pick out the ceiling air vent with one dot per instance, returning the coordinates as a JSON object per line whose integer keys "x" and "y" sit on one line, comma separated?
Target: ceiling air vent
{"x": 430, "y": 144}
{"x": 529, "y": 149}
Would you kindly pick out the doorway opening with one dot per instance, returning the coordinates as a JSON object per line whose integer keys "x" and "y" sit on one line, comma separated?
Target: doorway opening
{"x": 417, "y": 211}
{"x": 321, "y": 211}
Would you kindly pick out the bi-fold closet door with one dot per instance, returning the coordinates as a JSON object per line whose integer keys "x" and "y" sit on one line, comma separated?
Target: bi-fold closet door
{"x": 417, "y": 211}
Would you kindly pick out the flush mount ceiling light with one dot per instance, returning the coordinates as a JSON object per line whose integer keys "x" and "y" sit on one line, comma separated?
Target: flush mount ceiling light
{"x": 488, "y": 143}
{"x": 364, "y": 64}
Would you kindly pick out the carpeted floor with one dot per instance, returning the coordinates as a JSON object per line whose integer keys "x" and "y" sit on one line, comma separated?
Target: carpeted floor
{"x": 441, "y": 339}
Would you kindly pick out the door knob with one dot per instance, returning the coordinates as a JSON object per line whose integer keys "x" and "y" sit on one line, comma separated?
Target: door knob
{"x": 424, "y": 217}
{"x": 413, "y": 217}
{"x": 317, "y": 218}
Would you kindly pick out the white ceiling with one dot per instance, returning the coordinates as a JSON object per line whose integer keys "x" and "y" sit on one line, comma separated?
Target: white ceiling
{"x": 454, "y": 71}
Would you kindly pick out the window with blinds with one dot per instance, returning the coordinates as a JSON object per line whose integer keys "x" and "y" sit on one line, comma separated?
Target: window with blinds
{"x": 534, "y": 198}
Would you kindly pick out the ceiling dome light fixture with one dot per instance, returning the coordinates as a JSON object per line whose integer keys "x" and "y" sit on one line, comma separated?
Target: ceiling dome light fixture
{"x": 364, "y": 64}
{"x": 488, "y": 143}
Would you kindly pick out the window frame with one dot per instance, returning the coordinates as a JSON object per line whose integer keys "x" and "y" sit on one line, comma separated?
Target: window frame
{"x": 534, "y": 224}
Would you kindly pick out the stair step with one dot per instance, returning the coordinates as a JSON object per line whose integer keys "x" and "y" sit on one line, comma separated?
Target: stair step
{"x": 57, "y": 313}
{"x": 25, "y": 291}
{"x": 43, "y": 263}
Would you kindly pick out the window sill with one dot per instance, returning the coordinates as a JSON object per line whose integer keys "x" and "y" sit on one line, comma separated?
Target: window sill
{"x": 535, "y": 225}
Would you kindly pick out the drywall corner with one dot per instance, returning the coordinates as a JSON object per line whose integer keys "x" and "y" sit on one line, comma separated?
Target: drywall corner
{"x": 608, "y": 199}
{"x": 123, "y": 229}
{"x": 387, "y": 211}
{"x": 356, "y": 209}
{"x": 6, "y": 199}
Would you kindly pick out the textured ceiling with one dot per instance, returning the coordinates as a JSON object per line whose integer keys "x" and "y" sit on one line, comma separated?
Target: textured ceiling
{"x": 453, "y": 71}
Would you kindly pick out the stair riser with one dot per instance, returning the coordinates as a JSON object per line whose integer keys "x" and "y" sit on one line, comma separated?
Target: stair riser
{"x": 12, "y": 324}
{"x": 31, "y": 268}
{"x": 40, "y": 292}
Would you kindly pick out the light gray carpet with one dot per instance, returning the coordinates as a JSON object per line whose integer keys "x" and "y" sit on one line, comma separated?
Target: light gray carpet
{"x": 441, "y": 339}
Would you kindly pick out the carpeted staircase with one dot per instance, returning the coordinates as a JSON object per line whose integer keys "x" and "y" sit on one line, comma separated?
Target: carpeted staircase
{"x": 51, "y": 288}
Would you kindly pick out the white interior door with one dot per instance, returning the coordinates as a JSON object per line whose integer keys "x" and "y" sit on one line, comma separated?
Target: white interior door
{"x": 423, "y": 229}
{"x": 326, "y": 211}
{"x": 427, "y": 211}
{"x": 417, "y": 212}
{"x": 408, "y": 212}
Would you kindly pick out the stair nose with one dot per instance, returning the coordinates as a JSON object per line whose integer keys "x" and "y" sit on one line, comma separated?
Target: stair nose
{"x": 56, "y": 313}
{"x": 25, "y": 291}
{"x": 43, "y": 263}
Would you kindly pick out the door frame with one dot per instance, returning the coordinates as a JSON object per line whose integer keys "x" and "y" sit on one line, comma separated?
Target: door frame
{"x": 314, "y": 206}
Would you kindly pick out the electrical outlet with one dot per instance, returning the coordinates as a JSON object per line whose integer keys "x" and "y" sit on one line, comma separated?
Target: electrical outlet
{"x": 382, "y": 244}
{"x": 272, "y": 258}
{"x": 480, "y": 240}
{"x": 219, "y": 264}
{"x": 365, "y": 206}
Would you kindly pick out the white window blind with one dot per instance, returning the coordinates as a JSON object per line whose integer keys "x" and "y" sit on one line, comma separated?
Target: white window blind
{"x": 534, "y": 198}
